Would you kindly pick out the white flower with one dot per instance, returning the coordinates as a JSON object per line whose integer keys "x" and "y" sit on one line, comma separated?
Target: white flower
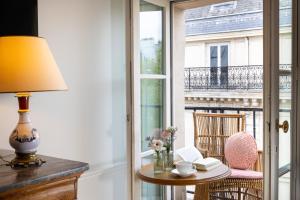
{"x": 172, "y": 129}
{"x": 157, "y": 145}
{"x": 165, "y": 134}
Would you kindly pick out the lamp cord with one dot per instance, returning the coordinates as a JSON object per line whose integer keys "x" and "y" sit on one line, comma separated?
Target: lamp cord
{"x": 7, "y": 163}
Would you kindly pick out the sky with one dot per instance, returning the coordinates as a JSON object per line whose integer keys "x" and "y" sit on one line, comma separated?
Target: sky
{"x": 151, "y": 25}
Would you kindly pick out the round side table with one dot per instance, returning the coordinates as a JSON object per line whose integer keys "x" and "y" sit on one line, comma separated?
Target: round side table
{"x": 202, "y": 178}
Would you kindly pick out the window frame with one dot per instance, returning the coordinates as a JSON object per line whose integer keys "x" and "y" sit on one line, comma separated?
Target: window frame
{"x": 136, "y": 151}
{"x": 219, "y": 52}
{"x": 215, "y": 7}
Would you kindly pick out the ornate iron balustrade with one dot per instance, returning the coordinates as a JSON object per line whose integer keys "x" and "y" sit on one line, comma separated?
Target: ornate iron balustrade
{"x": 247, "y": 77}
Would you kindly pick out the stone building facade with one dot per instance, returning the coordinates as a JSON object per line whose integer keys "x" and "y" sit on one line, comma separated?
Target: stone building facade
{"x": 224, "y": 58}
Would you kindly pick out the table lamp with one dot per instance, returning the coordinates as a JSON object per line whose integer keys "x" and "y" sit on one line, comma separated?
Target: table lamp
{"x": 27, "y": 65}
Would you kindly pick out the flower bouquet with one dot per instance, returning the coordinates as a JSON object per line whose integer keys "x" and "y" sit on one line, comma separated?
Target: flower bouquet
{"x": 162, "y": 145}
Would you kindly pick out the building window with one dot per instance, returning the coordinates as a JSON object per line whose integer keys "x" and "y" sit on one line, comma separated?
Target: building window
{"x": 218, "y": 63}
{"x": 223, "y": 8}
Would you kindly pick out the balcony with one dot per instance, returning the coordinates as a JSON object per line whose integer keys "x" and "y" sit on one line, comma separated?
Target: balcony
{"x": 232, "y": 78}
{"x": 237, "y": 89}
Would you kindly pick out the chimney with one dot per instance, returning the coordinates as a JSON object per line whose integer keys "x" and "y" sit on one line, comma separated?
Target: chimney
{"x": 18, "y": 17}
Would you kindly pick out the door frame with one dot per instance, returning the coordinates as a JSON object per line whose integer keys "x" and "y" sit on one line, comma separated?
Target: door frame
{"x": 271, "y": 71}
{"x": 218, "y": 45}
{"x": 135, "y": 77}
{"x": 269, "y": 38}
{"x": 295, "y": 142}
{"x": 271, "y": 101}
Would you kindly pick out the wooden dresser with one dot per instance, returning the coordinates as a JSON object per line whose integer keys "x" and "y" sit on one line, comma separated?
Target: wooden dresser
{"x": 55, "y": 180}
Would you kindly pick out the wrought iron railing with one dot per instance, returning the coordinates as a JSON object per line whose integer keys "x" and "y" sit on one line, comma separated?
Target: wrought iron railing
{"x": 248, "y": 110}
{"x": 247, "y": 77}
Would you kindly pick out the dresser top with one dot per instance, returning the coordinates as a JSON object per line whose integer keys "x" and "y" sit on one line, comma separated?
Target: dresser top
{"x": 54, "y": 168}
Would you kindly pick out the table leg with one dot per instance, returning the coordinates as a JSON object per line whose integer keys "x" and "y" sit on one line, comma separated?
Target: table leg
{"x": 201, "y": 192}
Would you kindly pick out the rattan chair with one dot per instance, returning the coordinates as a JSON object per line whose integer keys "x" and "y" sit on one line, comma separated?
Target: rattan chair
{"x": 211, "y": 131}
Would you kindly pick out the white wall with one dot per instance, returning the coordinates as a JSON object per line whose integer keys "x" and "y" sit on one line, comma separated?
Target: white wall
{"x": 86, "y": 123}
{"x": 178, "y": 86}
{"x": 256, "y": 50}
{"x": 195, "y": 55}
{"x": 238, "y": 52}
{"x": 178, "y": 76}
{"x": 285, "y": 43}
{"x": 242, "y": 50}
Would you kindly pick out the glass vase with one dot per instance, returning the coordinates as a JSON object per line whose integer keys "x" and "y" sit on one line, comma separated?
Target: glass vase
{"x": 168, "y": 160}
{"x": 158, "y": 162}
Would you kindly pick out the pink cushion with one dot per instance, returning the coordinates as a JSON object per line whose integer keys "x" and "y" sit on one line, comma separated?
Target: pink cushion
{"x": 241, "y": 151}
{"x": 248, "y": 174}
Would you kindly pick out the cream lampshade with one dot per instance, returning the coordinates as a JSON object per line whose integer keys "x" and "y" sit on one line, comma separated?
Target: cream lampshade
{"x": 27, "y": 65}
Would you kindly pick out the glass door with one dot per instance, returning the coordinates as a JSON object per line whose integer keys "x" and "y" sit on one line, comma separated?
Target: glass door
{"x": 224, "y": 66}
{"x": 285, "y": 98}
{"x": 278, "y": 101}
{"x": 218, "y": 62}
{"x": 151, "y": 84}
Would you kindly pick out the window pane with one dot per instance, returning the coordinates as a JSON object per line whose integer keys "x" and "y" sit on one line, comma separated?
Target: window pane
{"x": 152, "y": 109}
{"x": 224, "y": 66}
{"x": 213, "y": 56}
{"x": 213, "y": 65}
{"x": 224, "y": 55}
{"x": 151, "y": 191}
{"x": 151, "y": 35}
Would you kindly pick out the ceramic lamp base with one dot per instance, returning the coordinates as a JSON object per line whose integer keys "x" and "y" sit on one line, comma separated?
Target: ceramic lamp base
{"x": 26, "y": 160}
{"x": 24, "y": 138}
